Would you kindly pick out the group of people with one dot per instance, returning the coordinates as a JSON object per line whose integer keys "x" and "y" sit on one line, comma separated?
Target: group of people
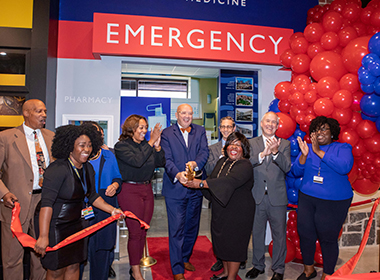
{"x": 66, "y": 173}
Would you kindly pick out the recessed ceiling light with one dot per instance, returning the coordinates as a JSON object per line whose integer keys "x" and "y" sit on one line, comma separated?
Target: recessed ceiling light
{"x": 3, "y": 53}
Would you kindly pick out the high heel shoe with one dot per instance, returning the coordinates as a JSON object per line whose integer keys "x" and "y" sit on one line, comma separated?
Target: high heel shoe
{"x": 130, "y": 273}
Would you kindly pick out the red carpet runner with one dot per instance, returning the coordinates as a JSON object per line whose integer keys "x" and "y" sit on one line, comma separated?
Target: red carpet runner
{"x": 203, "y": 258}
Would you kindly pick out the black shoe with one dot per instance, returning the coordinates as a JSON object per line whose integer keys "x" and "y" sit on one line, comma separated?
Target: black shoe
{"x": 304, "y": 277}
{"x": 214, "y": 277}
{"x": 253, "y": 273}
{"x": 131, "y": 276}
{"x": 111, "y": 273}
{"x": 277, "y": 276}
{"x": 242, "y": 265}
{"x": 217, "y": 266}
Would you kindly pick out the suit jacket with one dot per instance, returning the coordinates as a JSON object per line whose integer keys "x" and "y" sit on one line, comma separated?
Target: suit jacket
{"x": 177, "y": 154}
{"x": 16, "y": 167}
{"x": 272, "y": 174}
{"x": 215, "y": 153}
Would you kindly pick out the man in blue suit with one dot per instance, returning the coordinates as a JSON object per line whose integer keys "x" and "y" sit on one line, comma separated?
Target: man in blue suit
{"x": 183, "y": 143}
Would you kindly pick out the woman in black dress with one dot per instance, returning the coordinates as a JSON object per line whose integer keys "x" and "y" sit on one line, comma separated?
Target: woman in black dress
{"x": 233, "y": 207}
{"x": 68, "y": 187}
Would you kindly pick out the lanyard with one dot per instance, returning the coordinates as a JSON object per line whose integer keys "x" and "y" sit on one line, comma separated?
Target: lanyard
{"x": 319, "y": 169}
{"x": 84, "y": 185}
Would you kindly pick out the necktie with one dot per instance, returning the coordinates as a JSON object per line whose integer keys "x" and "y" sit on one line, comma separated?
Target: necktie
{"x": 186, "y": 129}
{"x": 40, "y": 159}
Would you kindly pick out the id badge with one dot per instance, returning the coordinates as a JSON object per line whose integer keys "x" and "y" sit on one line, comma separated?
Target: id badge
{"x": 88, "y": 213}
{"x": 318, "y": 179}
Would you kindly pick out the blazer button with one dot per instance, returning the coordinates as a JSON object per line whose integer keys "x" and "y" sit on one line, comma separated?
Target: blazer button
{"x": 30, "y": 192}
{"x": 31, "y": 180}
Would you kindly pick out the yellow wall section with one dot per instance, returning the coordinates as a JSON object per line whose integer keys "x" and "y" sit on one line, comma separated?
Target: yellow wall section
{"x": 12, "y": 80}
{"x": 16, "y": 13}
{"x": 11, "y": 121}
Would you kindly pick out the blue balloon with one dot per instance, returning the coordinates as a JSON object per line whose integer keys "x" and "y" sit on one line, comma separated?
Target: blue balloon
{"x": 298, "y": 183}
{"x": 293, "y": 196}
{"x": 370, "y": 105}
{"x": 299, "y": 132}
{"x": 295, "y": 152}
{"x": 374, "y": 44}
{"x": 273, "y": 106}
{"x": 378, "y": 124}
{"x": 365, "y": 117}
{"x": 369, "y": 58}
{"x": 365, "y": 77}
{"x": 374, "y": 68}
{"x": 376, "y": 85}
{"x": 367, "y": 88}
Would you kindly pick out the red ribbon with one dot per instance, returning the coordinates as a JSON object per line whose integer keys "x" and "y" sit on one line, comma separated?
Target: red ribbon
{"x": 28, "y": 241}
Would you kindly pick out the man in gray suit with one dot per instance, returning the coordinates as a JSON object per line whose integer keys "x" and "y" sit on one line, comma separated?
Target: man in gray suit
{"x": 270, "y": 157}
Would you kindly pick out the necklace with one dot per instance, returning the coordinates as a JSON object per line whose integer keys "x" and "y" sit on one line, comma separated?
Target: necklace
{"x": 229, "y": 168}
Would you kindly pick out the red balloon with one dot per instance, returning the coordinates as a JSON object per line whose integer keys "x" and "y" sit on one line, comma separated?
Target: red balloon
{"x": 292, "y": 215}
{"x": 329, "y": 40}
{"x": 356, "y": 97}
{"x": 346, "y": 35}
{"x": 307, "y": 138}
{"x": 290, "y": 251}
{"x": 284, "y": 106}
{"x": 327, "y": 86}
{"x": 365, "y": 186}
{"x": 295, "y": 36}
{"x": 298, "y": 254}
{"x": 294, "y": 112}
{"x": 368, "y": 157}
{"x": 366, "y": 129}
{"x": 343, "y": 116}
{"x": 304, "y": 127}
{"x": 309, "y": 111}
{"x": 300, "y": 119}
{"x": 314, "y": 49}
{"x": 303, "y": 88}
{"x": 286, "y": 57}
{"x": 281, "y": 90}
{"x": 351, "y": 11}
{"x": 375, "y": 18}
{"x": 349, "y": 136}
{"x": 310, "y": 96}
{"x": 296, "y": 242}
{"x": 300, "y": 63}
{"x": 375, "y": 178}
{"x": 302, "y": 105}
{"x": 371, "y": 30}
{"x": 270, "y": 248}
{"x": 354, "y": 52}
{"x": 301, "y": 79}
{"x": 323, "y": 107}
{"x": 327, "y": 64}
{"x": 342, "y": 99}
{"x": 349, "y": 82}
{"x": 309, "y": 118}
{"x": 365, "y": 15}
{"x": 355, "y": 120}
{"x": 376, "y": 162}
{"x": 299, "y": 45}
{"x": 359, "y": 149}
{"x": 286, "y": 126}
{"x": 332, "y": 21}
{"x": 291, "y": 223}
{"x": 361, "y": 28}
{"x": 372, "y": 144}
{"x": 297, "y": 97}
{"x": 293, "y": 88}
{"x": 318, "y": 257}
{"x": 313, "y": 32}
{"x": 353, "y": 174}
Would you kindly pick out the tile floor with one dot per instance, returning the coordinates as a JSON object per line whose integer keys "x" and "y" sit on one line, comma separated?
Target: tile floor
{"x": 368, "y": 262}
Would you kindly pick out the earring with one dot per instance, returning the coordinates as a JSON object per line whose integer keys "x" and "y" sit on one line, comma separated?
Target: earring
{"x": 332, "y": 136}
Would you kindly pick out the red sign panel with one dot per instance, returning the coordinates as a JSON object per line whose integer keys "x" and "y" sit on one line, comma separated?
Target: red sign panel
{"x": 187, "y": 39}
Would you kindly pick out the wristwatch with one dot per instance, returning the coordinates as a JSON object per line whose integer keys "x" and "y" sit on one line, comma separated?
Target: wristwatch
{"x": 201, "y": 185}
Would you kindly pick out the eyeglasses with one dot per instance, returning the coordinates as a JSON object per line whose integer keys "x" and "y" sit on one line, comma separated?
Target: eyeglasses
{"x": 236, "y": 144}
{"x": 226, "y": 127}
{"x": 322, "y": 129}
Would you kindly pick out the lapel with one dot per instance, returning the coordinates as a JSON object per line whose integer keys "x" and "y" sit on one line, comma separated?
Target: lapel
{"x": 177, "y": 132}
{"x": 22, "y": 145}
{"x": 260, "y": 142}
{"x": 101, "y": 164}
{"x": 48, "y": 142}
{"x": 190, "y": 139}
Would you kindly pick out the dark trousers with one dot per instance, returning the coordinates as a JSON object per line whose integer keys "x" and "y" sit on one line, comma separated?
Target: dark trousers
{"x": 320, "y": 219}
{"x": 183, "y": 222}
{"x": 137, "y": 198}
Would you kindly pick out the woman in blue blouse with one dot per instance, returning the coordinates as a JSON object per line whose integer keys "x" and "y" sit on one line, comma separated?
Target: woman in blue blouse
{"x": 325, "y": 194}
{"x": 107, "y": 184}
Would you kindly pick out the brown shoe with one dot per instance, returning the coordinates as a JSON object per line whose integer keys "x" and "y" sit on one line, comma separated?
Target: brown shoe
{"x": 189, "y": 266}
{"x": 179, "y": 276}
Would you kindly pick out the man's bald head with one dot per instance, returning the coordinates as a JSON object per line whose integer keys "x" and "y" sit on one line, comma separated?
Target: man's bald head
{"x": 34, "y": 112}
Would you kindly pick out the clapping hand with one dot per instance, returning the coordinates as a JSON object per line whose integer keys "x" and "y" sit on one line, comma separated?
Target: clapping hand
{"x": 155, "y": 135}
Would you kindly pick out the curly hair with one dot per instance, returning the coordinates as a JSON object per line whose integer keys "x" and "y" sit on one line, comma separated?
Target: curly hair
{"x": 93, "y": 123}
{"x": 130, "y": 125}
{"x": 236, "y": 135}
{"x": 322, "y": 120}
{"x": 65, "y": 136}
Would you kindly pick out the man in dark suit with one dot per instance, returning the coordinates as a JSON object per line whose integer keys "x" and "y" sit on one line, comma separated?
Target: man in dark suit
{"x": 270, "y": 157}
{"x": 183, "y": 143}
{"x": 21, "y": 181}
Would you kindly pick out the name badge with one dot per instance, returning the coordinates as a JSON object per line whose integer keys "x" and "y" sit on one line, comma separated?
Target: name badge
{"x": 88, "y": 213}
{"x": 318, "y": 179}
